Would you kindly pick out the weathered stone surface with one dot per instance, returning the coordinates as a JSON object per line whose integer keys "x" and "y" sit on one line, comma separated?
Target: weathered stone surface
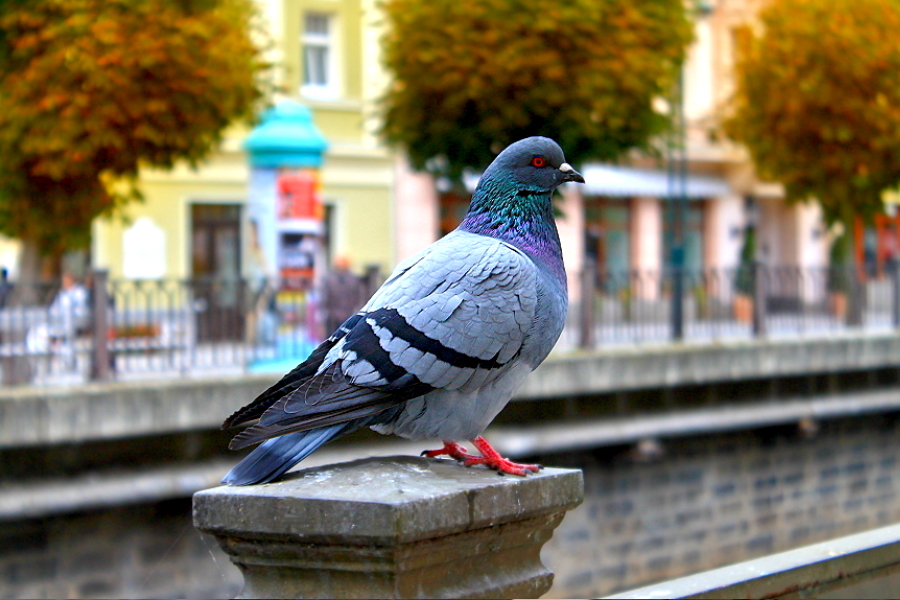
{"x": 642, "y": 367}
{"x": 34, "y": 416}
{"x": 397, "y": 527}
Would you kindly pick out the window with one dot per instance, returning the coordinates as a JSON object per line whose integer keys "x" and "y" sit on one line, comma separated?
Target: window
{"x": 318, "y": 56}
{"x": 608, "y": 235}
{"x": 216, "y": 269}
{"x": 215, "y": 241}
{"x": 693, "y": 234}
{"x": 453, "y": 208}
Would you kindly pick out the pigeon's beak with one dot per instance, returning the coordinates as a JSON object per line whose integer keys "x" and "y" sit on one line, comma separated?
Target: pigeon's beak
{"x": 570, "y": 174}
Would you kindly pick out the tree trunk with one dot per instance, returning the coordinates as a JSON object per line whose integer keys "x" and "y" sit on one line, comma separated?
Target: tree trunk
{"x": 856, "y": 298}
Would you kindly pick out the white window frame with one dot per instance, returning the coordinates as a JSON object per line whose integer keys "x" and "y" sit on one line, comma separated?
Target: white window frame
{"x": 326, "y": 84}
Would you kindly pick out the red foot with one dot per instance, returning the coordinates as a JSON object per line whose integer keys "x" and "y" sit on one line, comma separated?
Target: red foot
{"x": 489, "y": 457}
{"x": 451, "y": 449}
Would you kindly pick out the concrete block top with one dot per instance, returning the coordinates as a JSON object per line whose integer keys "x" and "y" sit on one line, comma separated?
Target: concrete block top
{"x": 384, "y": 500}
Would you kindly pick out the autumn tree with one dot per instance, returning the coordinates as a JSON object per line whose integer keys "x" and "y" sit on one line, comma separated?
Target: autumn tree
{"x": 817, "y": 102}
{"x": 472, "y": 77}
{"x": 93, "y": 90}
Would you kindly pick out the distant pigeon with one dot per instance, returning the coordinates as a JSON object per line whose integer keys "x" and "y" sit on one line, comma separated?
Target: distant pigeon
{"x": 442, "y": 346}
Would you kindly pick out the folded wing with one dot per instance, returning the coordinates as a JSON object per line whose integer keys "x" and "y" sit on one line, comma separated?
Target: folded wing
{"x": 454, "y": 317}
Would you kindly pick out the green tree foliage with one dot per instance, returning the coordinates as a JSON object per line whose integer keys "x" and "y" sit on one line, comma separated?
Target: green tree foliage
{"x": 472, "y": 77}
{"x": 93, "y": 90}
{"x": 817, "y": 102}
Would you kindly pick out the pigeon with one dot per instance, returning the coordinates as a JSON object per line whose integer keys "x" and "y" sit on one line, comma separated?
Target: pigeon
{"x": 442, "y": 346}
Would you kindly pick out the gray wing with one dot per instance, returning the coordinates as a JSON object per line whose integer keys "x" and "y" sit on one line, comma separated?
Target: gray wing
{"x": 454, "y": 317}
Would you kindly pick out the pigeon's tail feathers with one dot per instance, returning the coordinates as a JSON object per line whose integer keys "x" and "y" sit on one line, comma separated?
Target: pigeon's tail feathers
{"x": 324, "y": 400}
{"x": 275, "y": 457}
{"x": 290, "y": 382}
{"x": 251, "y": 413}
{"x": 348, "y": 403}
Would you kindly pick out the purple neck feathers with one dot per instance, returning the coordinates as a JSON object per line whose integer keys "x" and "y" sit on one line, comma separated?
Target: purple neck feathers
{"x": 521, "y": 217}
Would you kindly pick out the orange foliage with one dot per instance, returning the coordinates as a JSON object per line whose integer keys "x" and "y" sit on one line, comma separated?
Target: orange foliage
{"x": 818, "y": 102}
{"x": 94, "y": 89}
{"x": 471, "y": 77}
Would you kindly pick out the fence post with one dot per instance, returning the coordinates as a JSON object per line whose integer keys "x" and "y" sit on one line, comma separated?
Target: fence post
{"x": 759, "y": 299}
{"x": 895, "y": 291}
{"x": 586, "y": 325}
{"x": 856, "y": 299}
{"x": 100, "y": 363}
{"x": 678, "y": 273}
{"x": 391, "y": 527}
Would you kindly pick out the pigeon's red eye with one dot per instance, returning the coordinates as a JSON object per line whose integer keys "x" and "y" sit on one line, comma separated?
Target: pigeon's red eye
{"x": 539, "y": 161}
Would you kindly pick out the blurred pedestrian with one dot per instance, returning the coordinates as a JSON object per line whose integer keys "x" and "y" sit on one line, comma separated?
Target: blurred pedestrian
{"x": 343, "y": 293}
{"x": 68, "y": 316}
{"x": 69, "y": 309}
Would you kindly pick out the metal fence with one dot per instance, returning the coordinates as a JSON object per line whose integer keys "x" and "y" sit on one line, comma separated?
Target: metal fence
{"x": 161, "y": 328}
{"x": 725, "y": 304}
{"x": 125, "y": 330}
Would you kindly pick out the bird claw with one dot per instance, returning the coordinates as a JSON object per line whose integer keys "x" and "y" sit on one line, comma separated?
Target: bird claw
{"x": 451, "y": 449}
{"x": 508, "y": 467}
{"x": 489, "y": 458}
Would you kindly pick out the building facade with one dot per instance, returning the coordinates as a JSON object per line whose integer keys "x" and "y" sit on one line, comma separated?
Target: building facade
{"x": 621, "y": 220}
{"x": 195, "y": 223}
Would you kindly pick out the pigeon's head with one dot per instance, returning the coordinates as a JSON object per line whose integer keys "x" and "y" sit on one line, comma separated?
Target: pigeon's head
{"x": 535, "y": 164}
{"x": 512, "y": 199}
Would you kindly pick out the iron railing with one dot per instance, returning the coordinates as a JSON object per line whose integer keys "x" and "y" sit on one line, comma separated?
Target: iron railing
{"x": 152, "y": 328}
{"x": 184, "y": 328}
{"x": 726, "y": 304}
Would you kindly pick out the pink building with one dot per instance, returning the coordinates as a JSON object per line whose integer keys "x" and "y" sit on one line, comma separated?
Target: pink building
{"x": 618, "y": 220}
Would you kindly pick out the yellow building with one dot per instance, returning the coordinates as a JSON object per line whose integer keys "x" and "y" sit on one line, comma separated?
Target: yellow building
{"x": 194, "y": 222}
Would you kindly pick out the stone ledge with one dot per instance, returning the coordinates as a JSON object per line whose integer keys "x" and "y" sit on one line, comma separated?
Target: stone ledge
{"x": 384, "y": 500}
{"x": 395, "y": 527}
{"x": 671, "y": 364}
{"x": 35, "y": 416}
{"x": 40, "y": 416}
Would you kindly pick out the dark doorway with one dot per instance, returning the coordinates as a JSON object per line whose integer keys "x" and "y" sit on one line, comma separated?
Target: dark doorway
{"x": 216, "y": 268}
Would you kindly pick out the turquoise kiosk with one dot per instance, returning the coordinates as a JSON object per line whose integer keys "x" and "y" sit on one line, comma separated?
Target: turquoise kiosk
{"x": 286, "y": 138}
{"x": 286, "y": 225}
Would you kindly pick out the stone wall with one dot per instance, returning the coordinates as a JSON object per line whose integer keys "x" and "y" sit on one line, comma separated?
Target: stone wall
{"x": 148, "y": 551}
{"x": 647, "y": 516}
{"x": 713, "y": 500}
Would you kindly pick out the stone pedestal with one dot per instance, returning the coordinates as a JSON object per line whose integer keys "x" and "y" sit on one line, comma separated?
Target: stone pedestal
{"x": 391, "y": 527}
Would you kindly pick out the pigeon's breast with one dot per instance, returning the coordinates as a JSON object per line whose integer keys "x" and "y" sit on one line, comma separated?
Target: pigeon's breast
{"x": 549, "y": 319}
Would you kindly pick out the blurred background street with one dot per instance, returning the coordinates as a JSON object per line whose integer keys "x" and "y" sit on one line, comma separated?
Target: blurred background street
{"x": 194, "y": 192}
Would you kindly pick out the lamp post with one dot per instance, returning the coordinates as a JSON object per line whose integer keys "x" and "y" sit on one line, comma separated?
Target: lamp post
{"x": 676, "y": 170}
